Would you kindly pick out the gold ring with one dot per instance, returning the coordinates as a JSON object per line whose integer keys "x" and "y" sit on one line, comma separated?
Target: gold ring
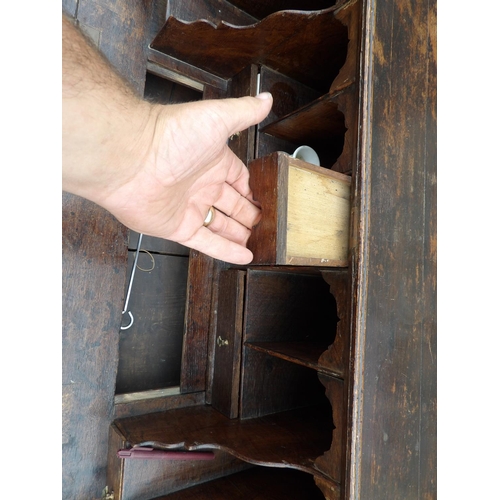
{"x": 210, "y": 217}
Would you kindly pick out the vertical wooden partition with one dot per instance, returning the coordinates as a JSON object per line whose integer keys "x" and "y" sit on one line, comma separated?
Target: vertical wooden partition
{"x": 393, "y": 451}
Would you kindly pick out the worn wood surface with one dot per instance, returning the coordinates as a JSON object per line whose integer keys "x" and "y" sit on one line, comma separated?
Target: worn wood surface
{"x": 327, "y": 124}
{"x": 268, "y": 237}
{"x": 213, "y": 11}
{"x": 162, "y": 91}
{"x": 394, "y": 424}
{"x": 94, "y": 270}
{"x": 227, "y": 359}
{"x": 131, "y": 405}
{"x": 332, "y": 463}
{"x": 288, "y": 94}
{"x": 336, "y": 357}
{"x": 146, "y": 479}
{"x": 288, "y": 306}
{"x": 291, "y": 439}
{"x": 310, "y": 47}
{"x": 301, "y": 353}
{"x": 243, "y": 84}
{"x": 349, "y": 14}
{"x": 219, "y": 266}
{"x": 263, "y": 9}
{"x": 150, "y": 350}
{"x": 271, "y": 384}
{"x": 94, "y": 256}
{"x": 252, "y": 484}
{"x": 305, "y": 213}
{"x": 197, "y": 323}
{"x": 318, "y": 206}
{"x": 283, "y": 308}
{"x": 330, "y": 489}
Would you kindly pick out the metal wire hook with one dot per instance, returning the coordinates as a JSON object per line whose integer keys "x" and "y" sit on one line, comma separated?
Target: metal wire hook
{"x": 132, "y": 274}
{"x": 131, "y": 321}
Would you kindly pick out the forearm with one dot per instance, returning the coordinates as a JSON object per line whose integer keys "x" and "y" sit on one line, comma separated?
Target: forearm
{"x": 105, "y": 125}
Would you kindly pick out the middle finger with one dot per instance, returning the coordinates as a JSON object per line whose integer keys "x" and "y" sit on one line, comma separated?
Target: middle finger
{"x": 237, "y": 207}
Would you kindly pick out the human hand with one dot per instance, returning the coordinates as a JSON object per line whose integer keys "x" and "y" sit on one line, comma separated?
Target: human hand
{"x": 157, "y": 169}
{"x": 184, "y": 168}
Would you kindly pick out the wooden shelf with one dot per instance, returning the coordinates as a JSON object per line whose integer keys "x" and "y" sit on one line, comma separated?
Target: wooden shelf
{"x": 325, "y": 124}
{"x": 301, "y": 353}
{"x": 313, "y": 124}
{"x": 310, "y": 47}
{"x": 292, "y": 439}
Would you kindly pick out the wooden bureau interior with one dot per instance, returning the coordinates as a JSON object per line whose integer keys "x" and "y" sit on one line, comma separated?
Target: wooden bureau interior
{"x": 263, "y": 377}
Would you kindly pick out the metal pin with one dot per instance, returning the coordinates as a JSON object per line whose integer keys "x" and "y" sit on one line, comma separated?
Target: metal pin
{"x": 132, "y": 274}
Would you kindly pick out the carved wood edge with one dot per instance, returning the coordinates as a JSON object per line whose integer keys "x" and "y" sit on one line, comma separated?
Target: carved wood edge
{"x": 271, "y": 441}
{"x": 272, "y": 42}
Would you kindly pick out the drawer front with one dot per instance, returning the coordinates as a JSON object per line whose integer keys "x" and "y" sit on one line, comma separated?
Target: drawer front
{"x": 227, "y": 358}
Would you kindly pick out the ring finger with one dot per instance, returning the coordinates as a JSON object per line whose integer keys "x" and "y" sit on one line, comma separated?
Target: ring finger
{"x": 237, "y": 207}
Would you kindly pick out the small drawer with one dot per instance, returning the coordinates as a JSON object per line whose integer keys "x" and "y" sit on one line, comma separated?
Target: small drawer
{"x": 305, "y": 213}
{"x": 227, "y": 357}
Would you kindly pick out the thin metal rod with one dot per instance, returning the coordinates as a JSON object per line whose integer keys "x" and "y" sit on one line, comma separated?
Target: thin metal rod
{"x": 132, "y": 275}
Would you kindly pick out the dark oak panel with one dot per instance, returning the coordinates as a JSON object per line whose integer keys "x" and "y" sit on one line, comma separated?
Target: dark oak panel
{"x": 94, "y": 256}
{"x": 197, "y": 323}
{"x": 287, "y": 306}
{"x": 94, "y": 271}
{"x": 146, "y": 479}
{"x": 397, "y": 301}
{"x": 309, "y": 47}
{"x": 291, "y": 439}
{"x": 301, "y": 353}
{"x": 227, "y": 358}
{"x": 151, "y": 349}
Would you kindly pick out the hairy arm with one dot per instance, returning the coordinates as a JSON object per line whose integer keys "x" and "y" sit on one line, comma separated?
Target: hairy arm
{"x": 157, "y": 168}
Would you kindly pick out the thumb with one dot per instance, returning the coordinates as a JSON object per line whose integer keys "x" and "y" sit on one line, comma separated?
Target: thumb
{"x": 243, "y": 112}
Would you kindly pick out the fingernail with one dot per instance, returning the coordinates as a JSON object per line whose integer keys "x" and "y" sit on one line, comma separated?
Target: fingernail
{"x": 264, "y": 96}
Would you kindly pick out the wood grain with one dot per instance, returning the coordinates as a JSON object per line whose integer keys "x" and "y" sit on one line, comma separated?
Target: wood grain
{"x": 301, "y": 353}
{"x": 131, "y": 406}
{"x": 309, "y": 47}
{"x": 318, "y": 210}
{"x": 227, "y": 359}
{"x": 146, "y": 479}
{"x": 150, "y": 350}
{"x": 271, "y": 384}
{"x": 395, "y": 308}
{"x": 332, "y": 463}
{"x": 290, "y": 439}
{"x": 94, "y": 257}
{"x": 285, "y": 306}
{"x": 336, "y": 357}
{"x": 267, "y": 238}
{"x": 305, "y": 213}
{"x": 197, "y": 323}
{"x": 244, "y": 84}
{"x": 327, "y": 124}
{"x": 288, "y": 94}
